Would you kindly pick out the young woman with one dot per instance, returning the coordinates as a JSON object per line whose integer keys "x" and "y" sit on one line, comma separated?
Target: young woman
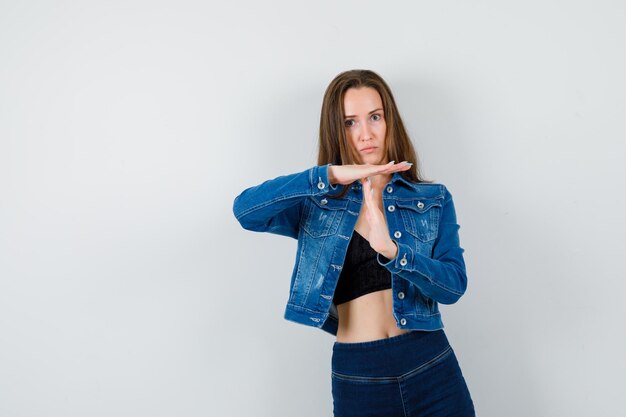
{"x": 378, "y": 249}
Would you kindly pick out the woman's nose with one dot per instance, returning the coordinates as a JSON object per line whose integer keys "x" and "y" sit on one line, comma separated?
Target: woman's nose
{"x": 366, "y": 133}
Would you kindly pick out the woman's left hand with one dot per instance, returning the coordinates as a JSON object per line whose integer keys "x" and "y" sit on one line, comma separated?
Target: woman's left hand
{"x": 378, "y": 231}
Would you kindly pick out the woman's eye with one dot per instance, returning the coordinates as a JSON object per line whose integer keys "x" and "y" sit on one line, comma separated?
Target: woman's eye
{"x": 349, "y": 123}
{"x": 376, "y": 117}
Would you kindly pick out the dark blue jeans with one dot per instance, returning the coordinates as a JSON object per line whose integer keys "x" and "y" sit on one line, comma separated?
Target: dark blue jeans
{"x": 413, "y": 374}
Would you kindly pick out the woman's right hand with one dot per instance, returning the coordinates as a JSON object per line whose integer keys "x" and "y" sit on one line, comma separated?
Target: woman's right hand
{"x": 347, "y": 174}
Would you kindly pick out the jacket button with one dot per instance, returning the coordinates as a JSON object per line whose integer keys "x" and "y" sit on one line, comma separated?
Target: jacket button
{"x": 390, "y": 189}
{"x": 321, "y": 185}
{"x": 420, "y": 205}
{"x": 401, "y": 295}
{"x": 391, "y": 209}
{"x": 403, "y": 321}
{"x": 324, "y": 201}
{"x": 403, "y": 262}
{"x": 397, "y": 234}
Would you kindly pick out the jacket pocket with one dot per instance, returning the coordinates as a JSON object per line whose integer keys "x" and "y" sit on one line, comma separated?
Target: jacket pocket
{"x": 321, "y": 215}
{"x": 420, "y": 304}
{"x": 421, "y": 217}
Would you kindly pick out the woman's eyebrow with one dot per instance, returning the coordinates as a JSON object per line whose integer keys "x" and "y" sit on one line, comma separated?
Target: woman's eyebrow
{"x": 345, "y": 117}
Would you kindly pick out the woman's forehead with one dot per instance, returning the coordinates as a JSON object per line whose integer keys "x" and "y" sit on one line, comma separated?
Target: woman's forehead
{"x": 361, "y": 100}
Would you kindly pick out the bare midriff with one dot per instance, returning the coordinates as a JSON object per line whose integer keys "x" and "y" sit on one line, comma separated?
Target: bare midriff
{"x": 368, "y": 317}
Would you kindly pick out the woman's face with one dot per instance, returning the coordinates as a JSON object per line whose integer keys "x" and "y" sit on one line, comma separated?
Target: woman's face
{"x": 364, "y": 122}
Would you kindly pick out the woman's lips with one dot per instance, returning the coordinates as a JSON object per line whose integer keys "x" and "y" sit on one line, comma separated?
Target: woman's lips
{"x": 369, "y": 150}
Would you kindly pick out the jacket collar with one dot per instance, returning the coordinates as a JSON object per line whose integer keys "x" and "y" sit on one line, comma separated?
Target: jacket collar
{"x": 398, "y": 178}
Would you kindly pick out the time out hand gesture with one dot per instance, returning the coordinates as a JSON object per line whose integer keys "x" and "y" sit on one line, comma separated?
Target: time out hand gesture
{"x": 378, "y": 231}
{"x": 347, "y": 174}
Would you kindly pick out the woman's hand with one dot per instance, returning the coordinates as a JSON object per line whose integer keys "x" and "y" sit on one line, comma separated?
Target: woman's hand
{"x": 347, "y": 174}
{"x": 378, "y": 231}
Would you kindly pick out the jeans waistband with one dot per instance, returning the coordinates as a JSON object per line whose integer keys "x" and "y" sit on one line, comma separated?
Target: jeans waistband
{"x": 391, "y": 356}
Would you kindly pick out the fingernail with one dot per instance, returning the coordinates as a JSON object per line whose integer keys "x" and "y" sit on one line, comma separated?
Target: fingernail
{"x": 392, "y": 162}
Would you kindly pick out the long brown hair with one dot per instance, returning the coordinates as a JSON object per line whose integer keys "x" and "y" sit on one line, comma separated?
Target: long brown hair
{"x": 333, "y": 145}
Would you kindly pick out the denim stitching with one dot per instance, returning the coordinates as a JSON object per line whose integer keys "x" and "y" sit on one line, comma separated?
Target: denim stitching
{"x": 432, "y": 281}
{"x": 389, "y": 379}
{"x": 333, "y": 221}
{"x": 310, "y": 281}
{"x": 299, "y": 308}
{"x": 416, "y": 315}
{"x": 370, "y": 379}
{"x": 444, "y": 287}
{"x": 402, "y": 397}
{"x": 299, "y": 274}
{"x": 269, "y": 203}
{"x": 428, "y": 364}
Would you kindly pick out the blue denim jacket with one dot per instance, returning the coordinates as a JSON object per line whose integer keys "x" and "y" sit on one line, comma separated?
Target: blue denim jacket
{"x": 429, "y": 268}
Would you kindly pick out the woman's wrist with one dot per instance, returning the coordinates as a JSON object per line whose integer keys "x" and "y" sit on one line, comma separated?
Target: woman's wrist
{"x": 391, "y": 251}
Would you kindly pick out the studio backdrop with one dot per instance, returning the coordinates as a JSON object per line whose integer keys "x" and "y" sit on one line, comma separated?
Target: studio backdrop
{"x": 127, "y": 128}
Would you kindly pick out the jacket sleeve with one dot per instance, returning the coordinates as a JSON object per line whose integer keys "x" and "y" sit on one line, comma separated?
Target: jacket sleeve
{"x": 274, "y": 206}
{"x": 442, "y": 277}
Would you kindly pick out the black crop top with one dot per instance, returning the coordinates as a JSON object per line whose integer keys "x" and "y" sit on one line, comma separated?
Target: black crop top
{"x": 361, "y": 273}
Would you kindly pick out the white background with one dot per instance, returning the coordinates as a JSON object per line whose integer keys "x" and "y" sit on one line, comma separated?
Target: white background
{"x": 127, "y": 288}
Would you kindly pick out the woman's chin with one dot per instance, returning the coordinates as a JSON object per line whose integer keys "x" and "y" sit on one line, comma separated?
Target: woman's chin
{"x": 374, "y": 160}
